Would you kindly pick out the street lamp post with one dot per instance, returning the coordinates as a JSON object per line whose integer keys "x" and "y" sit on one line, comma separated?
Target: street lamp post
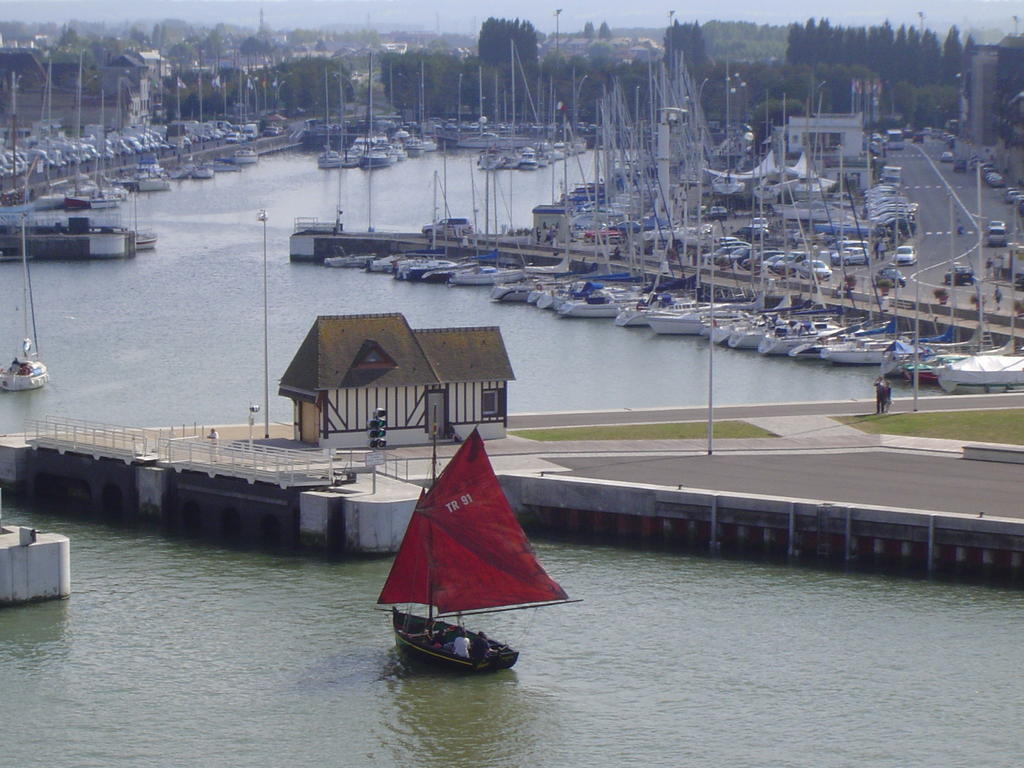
{"x": 576, "y": 88}
{"x": 558, "y": 13}
{"x": 262, "y": 216}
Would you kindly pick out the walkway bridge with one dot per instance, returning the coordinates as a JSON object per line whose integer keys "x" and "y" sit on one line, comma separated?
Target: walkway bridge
{"x": 187, "y": 449}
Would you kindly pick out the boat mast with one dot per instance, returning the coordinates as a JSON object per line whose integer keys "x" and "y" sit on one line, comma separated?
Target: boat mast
{"x": 78, "y": 124}
{"x": 14, "y": 137}
{"x": 24, "y": 285}
{"x": 369, "y": 134}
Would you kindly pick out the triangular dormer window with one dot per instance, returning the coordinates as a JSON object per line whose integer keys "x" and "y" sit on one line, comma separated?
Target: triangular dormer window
{"x": 372, "y": 356}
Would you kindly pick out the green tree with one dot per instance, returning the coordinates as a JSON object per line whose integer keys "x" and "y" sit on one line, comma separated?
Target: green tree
{"x": 496, "y": 37}
{"x": 588, "y": 30}
{"x": 605, "y": 32}
{"x": 686, "y": 40}
{"x": 952, "y": 55}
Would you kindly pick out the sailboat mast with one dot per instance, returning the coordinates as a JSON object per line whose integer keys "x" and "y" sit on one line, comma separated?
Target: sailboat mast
{"x": 24, "y": 269}
{"x": 512, "y": 71}
{"x": 369, "y": 135}
{"x": 14, "y": 134}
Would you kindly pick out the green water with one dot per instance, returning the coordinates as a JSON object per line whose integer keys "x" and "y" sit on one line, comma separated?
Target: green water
{"x": 173, "y": 653}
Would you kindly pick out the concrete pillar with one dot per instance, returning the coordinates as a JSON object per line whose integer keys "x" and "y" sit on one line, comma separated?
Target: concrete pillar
{"x": 878, "y": 547}
{"x": 713, "y": 536}
{"x": 1016, "y": 560}
{"x": 988, "y": 557}
{"x": 153, "y": 484}
{"x": 33, "y": 566}
{"x": 848, "y": 538}
{"x": 906, "y": 550}
{"x": 14, "y": 465}
{"x": 931, "y": 544}
{"x": 791, "y": 548}
{"x": 320, "y": 515}
{"x": 961, "y": 555}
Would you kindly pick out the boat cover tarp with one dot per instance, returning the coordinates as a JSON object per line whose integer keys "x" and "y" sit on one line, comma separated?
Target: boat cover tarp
{"x": 889, "y": 327}
{"x": 464, "y": 549}
{"x": 944, "y": 338}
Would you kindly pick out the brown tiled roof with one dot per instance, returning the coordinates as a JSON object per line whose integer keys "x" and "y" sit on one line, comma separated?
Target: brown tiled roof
{"x": 466, "y": 354}
{"x": 338, "y": 352}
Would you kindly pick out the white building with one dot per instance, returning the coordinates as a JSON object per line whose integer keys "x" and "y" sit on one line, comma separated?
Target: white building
{"x": 826, "y": 135}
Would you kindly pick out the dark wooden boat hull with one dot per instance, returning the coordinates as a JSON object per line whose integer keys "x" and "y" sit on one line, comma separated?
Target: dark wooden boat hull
{"x": 408, "y": 631}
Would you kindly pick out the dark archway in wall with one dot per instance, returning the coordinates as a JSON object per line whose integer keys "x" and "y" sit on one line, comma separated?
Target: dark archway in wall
{"x": 191, "y": 520}
{"x": 112, "y": 502}
{"x": 230, "y": 525}
{"x": 72, "y": 494}
{"x": 270, "y": 532}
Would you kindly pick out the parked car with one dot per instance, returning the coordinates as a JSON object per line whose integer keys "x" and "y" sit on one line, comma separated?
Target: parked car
{"x": 455, "y": 227}
{"x": 960, "y": 274}
{"x": 1018, "y": 281}
{"x": 752, "y": 233}
{"x": 817, "y": 267}
{"x": 890, "y": 273}
{"x": 994, "y": 179}
{"x": 849, "y": 257}
{"x": 946, "y": 157}
{"x": 905, "y": 256}
{"x": 603, "y": 235}
{"x": 717, "y": 213}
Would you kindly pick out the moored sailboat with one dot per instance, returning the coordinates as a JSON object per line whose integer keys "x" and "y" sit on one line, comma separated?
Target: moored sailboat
{"x": 463, "y": 551}
{"x": 26, "y": 371}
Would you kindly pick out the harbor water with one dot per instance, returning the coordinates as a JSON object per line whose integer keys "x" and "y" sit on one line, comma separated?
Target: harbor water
{"x": 175, "y": 336}
{"x": 173, "y": 652}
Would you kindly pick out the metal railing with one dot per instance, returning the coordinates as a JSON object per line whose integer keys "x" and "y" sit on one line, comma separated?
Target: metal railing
{"x": 188, "y": 448}
{"x": 93, "y": 438}
{"x": 308, "y": 224}
{"x": 283, "y": 467}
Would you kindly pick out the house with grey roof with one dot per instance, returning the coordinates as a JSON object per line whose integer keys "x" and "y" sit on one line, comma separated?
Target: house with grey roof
{"x": 442, "y": 381}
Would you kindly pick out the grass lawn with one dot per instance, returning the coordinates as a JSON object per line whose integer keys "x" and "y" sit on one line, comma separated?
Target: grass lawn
{"x": 1003, "y": 426}
{"x": 690, "y": 430}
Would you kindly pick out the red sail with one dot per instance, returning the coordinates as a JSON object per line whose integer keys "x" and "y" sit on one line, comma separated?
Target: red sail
{"x": 464, "y": 548}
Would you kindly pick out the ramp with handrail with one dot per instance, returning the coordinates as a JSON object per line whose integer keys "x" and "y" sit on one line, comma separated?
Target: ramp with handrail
{"x": 187, "y": 449}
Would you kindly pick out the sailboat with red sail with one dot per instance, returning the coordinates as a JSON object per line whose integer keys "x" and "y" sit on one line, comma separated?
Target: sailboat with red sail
{"x": 463, "y": 552}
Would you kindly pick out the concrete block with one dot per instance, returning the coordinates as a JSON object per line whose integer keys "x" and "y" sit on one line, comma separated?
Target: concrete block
{"x": 153, "y": 484}
{"x": 33, "y": 566}
{"x": 321, "y": 516}
{"x": 376, "y": 526}
{"x": 14, "y": 465}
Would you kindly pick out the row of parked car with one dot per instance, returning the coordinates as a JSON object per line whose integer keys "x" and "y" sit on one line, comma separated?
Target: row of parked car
{"x": 886, "y": 207}
{"x": 58, "y": 153}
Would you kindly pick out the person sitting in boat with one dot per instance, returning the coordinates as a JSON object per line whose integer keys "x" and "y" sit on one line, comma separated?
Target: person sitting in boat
{"x": 460, "y": 645}
{"x": 479, "y": 647}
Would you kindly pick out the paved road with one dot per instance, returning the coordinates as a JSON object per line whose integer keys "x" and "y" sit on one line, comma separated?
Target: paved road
{"x": 934, "y": 186}
{"x": 878, "y": 478}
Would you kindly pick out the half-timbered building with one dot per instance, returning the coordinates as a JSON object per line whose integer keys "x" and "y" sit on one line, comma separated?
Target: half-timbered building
{"x": 445, "y": 379}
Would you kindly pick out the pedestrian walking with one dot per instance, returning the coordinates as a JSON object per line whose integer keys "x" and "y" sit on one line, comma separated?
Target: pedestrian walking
{"x": 886, "y": 395}
{"x": 879, "y": 395}
{"x": 998, "y": 296}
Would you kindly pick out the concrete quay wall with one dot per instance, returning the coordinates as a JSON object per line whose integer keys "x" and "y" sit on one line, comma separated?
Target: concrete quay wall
{"x": 352, "y": 519}
{"x": 761, "y": 525}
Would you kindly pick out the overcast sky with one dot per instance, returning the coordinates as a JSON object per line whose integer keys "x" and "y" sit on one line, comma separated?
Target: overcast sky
{"x": 465, "y": 16}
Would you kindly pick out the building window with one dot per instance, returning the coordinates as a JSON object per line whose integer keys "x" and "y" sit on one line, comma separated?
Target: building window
{"x": 489, "y": 402}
